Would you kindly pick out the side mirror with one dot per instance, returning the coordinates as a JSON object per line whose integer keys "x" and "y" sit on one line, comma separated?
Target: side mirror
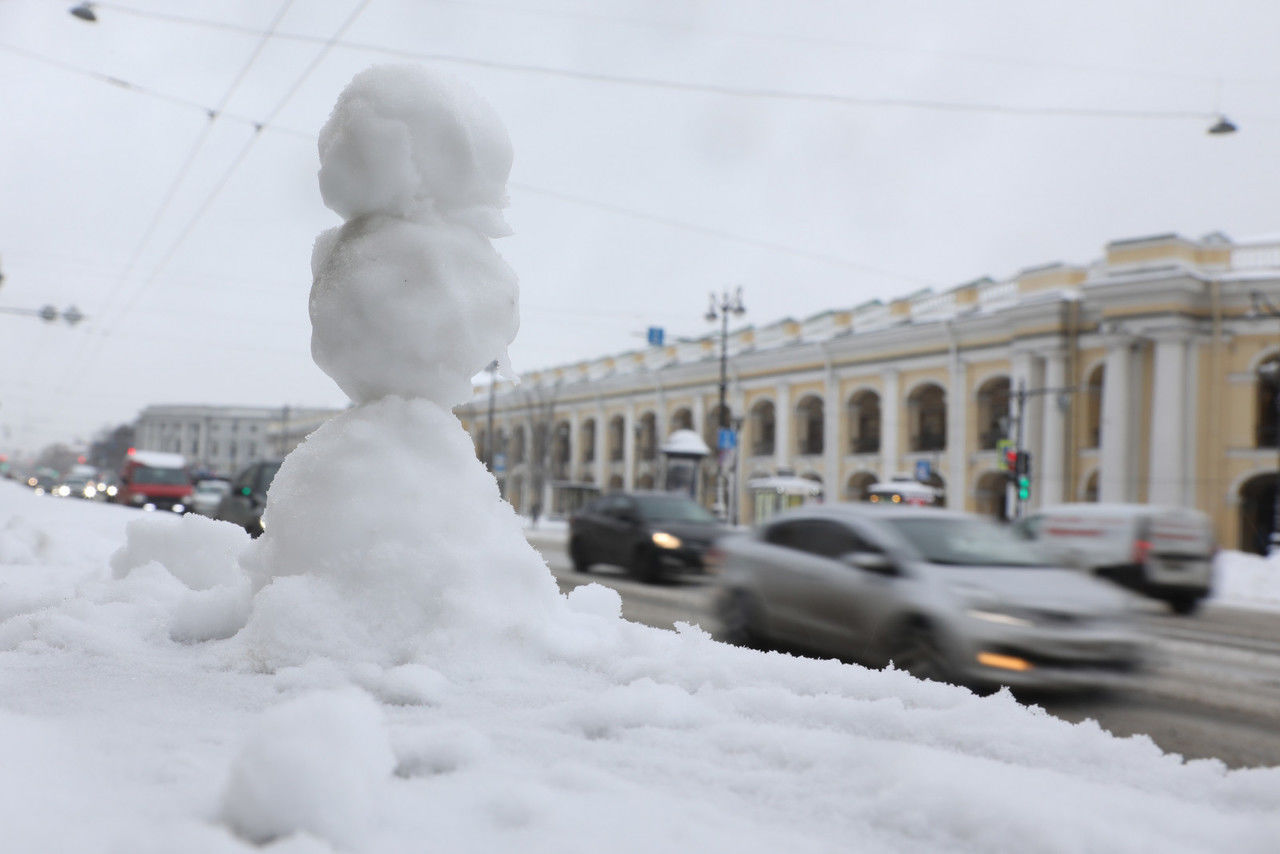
{"x": 875, "y": 562}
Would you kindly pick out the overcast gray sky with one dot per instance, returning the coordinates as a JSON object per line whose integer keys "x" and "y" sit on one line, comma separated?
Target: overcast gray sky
{"x": 816, "y": 154}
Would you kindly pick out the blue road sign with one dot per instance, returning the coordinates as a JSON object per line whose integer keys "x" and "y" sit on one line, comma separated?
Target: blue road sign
{"x": 499, "y": 463}
{"x": 923, "y": 470}
{"x": 656, "y": 336}
{"x": 726, "y": 439}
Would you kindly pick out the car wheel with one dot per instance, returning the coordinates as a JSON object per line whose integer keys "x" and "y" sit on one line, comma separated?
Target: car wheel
{"x": 739, "y": 615}
{"x": 578, "y": 557}
{"x": 914, "y": 648}
{"x": 646, "y": 567}
{"x": 1184, "y": 604}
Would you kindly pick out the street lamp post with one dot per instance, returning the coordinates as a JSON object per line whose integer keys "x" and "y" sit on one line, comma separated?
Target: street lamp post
{"x": 720, "y": 310}
{"x": 1260, "y": 306}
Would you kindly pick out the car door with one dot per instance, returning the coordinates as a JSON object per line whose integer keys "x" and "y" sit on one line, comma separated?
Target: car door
{"x": 614, "y": 531}
{"x": 801, "y": 577}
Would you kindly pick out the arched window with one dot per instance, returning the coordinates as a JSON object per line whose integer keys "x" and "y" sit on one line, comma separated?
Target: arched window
{"x": 809, "y": 426}
{"x": 993, "y": 412}
{"x": 856, "y": 488}
{"x": 648, "y": 436}
{"x": 617, "y": 438}
{"x": 560, "y": 451}
{"x": 763, "y": 429}
{"x": 1093, "y": 407}
{"x": 587, "y": 437}
{"x": 1268, "y": 409}
{"x": 517, "y": 445}
{"x": 863, "y": 414}
{"x": 682, "y": 419}
{"x": 927, "y": 414}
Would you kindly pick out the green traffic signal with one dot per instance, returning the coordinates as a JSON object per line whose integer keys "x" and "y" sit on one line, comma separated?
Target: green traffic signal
{"x": 1024, "y": 488}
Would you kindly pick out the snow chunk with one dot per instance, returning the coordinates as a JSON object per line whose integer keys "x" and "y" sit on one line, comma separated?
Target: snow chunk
{"x": 199, "y": 552}
{"x": 316, "y": 764}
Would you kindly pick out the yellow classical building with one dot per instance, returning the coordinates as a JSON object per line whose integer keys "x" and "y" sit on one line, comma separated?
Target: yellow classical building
{"x": 1145, "y": 376}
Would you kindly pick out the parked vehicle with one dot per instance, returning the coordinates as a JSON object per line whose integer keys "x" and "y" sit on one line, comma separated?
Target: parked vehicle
{"x": 43, "y": 481}
{"x": 652, "y": 534}
{"x": 207, "y": 495}
{"x": 154, "y": 480}
{"x": 1163, "y": 552}
{"x": 247, "y": 498}
{"x": 945, "y": 595}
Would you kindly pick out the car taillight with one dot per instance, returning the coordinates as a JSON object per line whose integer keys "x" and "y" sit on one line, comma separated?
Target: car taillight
{"x": 1141, "y": 549}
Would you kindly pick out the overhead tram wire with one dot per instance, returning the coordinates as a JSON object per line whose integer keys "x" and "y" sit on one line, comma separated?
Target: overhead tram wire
{"x": 702, "y": 88}
{"x": 230, "y": 171}
{"x": 968, "y": 56}
{"x": 195, "y": 151}
{"x": 622, "y": 210}
{"x": 75, "y": 362}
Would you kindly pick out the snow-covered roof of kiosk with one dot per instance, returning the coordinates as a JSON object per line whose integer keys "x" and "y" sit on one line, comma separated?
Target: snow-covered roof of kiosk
{"x": 685, "y": 442}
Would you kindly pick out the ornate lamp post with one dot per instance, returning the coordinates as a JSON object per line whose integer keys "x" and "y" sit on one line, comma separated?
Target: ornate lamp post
{"x": 720, "y": 310}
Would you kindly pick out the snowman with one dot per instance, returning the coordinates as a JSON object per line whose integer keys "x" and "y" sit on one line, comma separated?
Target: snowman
{"x": 386, "y": 506}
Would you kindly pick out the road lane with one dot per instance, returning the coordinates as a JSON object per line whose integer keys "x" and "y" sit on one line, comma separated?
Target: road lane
{"x": 1212, "y": 690}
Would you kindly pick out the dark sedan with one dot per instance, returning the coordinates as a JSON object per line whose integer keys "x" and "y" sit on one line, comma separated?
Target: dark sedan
{"x": 652, "y": 534}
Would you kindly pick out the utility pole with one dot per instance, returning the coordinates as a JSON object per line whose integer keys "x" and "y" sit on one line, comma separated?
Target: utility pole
{"x": 720, "y": 311}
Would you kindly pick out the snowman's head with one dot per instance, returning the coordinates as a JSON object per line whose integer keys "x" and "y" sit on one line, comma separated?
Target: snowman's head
{"x": 402, "y": 140}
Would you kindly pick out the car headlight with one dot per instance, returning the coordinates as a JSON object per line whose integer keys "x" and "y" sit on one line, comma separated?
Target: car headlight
{"x": 663, "y": 540}
{"x": 111, "y": 490}
{"x": 89, "y": 492}
{"x": 179, "y": 508}
{"x": 1002, "y": 617}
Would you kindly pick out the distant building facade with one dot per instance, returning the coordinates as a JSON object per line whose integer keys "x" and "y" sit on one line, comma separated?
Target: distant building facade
{"x": 225, "y": 439}
{"x": 1150, "y": 375}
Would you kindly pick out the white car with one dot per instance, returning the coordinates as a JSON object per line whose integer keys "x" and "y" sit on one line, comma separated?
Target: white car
{"x": 1163, "y": 552}
{"x": 207, "y": 495}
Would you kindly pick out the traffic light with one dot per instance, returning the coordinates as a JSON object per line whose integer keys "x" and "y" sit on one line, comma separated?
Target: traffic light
{"x": 1022, "y": 466}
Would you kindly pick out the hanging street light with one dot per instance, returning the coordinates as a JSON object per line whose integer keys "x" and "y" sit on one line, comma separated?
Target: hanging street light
{"x": 1224, "y": 125}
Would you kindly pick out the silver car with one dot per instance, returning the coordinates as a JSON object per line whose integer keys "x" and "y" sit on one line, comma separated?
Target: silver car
{"x": 945, "y": 595}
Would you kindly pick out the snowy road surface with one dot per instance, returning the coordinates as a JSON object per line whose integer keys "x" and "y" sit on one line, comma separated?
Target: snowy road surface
{"x": 1212, "y": 691}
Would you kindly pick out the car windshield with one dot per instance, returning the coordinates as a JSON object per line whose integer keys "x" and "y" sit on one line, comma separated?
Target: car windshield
{"x": 212, "y": 486}
{"x": 161, "y": 476}
{"x": 661, "y": 508}
{"x": 968, "y": 542}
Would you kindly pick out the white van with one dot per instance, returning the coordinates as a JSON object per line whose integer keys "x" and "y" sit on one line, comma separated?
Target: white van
{"x": 1164, "y": 552}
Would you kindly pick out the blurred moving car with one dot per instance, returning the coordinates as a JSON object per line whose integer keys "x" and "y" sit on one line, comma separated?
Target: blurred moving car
{"x": 76, "y": 487}
{"x": 245, "y": 500}
{"x": 208, "y": 493}
{"x": 945, "y": 595}
{"x": 652, "y": 534}
{"x": 43, "y": 480}
{"x": 1163, "y": 552}
{"x": 154, "y": 480}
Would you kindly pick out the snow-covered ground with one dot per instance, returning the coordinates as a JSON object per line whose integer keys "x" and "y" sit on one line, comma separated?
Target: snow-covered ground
{"x": 123, "y": 730}
{"x": 391, "y": 667}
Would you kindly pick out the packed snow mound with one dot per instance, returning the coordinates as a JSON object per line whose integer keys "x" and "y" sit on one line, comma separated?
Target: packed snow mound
{"x": 402, "y": 139}
{"x": 409, "y": 297}
{"x": 385, "y": 535}
{"x": 316, "y": 764}
{"x": 407, "y": 308}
